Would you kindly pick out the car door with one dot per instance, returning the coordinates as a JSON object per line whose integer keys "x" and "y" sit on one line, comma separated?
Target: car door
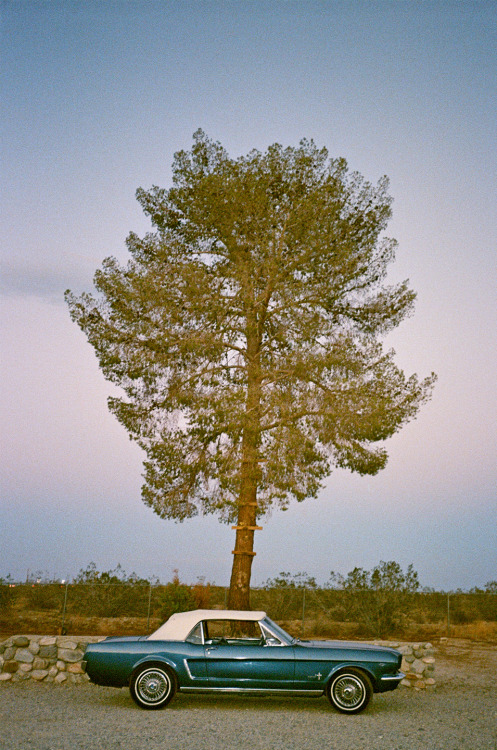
{"x": 241, "y": 662}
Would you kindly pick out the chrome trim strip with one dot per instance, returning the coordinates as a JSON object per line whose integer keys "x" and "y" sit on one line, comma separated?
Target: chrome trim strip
{"x": 393, "y": 677}
{"x": 280, "y": 691}
{"x": 187, "y": 668}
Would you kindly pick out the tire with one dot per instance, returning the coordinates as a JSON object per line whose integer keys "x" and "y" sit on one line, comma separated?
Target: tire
{"x": 350, "y": 691}
{"x": 152, "y": 686}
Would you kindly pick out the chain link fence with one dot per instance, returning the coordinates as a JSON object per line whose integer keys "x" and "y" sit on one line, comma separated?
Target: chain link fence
{"x": 141, "y": 607}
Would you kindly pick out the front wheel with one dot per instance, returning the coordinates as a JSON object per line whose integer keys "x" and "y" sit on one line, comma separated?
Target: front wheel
{"x": 350, "y": 691}
{"x": 152, "y": 686}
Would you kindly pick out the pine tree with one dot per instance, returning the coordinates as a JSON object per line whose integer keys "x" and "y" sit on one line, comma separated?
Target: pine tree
{"x": 245, "y": 333}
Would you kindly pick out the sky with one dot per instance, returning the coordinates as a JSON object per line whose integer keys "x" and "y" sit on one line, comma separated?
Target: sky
{"x": 97, "y": 96}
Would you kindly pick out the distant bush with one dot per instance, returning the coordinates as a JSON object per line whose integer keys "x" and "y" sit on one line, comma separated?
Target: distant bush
{"x": 282, "y": 596}
{"x": 7, "y": 593}
{"x": 45, "y": 596}
{"x": 175, "y": 597}
{"x": 111, "y": 593}
{"x": 377, "y": 603}
{"x": 379, "y": 599}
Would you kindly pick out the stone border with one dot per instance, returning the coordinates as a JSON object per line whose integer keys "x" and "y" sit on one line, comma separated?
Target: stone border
{"x": 418, "y": 663}
{"x": 57, "y": 659}
{"x": 44, "y": 658}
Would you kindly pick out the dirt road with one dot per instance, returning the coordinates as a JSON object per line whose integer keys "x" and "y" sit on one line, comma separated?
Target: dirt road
{"x": 459, "y": 714}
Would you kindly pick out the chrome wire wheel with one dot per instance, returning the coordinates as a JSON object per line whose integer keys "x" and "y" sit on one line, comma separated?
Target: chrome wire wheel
{"x": 152, "y": 687}
{"x": 350, "y": 692}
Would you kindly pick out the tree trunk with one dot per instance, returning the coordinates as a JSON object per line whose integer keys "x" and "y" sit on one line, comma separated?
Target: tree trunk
{"x": 243, "y": 554}
{"x": 239, "y": 594}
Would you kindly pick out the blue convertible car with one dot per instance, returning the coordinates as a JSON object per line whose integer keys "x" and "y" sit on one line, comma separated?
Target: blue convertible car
{"x": 237, "y": 651}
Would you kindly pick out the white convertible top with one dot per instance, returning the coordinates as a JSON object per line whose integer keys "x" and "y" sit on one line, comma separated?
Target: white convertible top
{"x": 181, "y": 624}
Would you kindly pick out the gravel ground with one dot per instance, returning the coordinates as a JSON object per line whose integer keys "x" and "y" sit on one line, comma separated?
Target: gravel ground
{"x": 460, "y": 713}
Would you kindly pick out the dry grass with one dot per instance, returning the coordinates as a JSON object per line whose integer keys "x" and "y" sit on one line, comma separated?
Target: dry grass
{"x": 476, "y": 631}
{"x": 43, "y": 623}
{"x": 479, "y": 630}
{"x": 46, "y": 623}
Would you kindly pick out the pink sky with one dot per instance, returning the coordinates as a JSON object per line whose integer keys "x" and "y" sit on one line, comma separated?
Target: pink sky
{"x": 97, "y": 99}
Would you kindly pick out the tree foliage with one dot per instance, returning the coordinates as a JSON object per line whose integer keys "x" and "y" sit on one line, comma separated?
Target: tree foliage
{"x": 245, "y": 332}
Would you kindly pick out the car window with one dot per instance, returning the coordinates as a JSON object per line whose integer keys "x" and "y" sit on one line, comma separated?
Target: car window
{"x": 270, "y": 637}
{"x": 196, "y": 634}
{"x": 233, "y": 632}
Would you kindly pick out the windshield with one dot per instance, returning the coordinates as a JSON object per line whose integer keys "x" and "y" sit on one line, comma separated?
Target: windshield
{"x": 279, "y": 632}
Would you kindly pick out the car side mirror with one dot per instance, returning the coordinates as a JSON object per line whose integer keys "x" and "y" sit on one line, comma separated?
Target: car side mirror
{"x": 272, "y": 642}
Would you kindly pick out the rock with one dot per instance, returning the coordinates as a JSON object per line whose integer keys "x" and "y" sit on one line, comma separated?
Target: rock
{"x": 9, "y": 653}
{"x": 34, "y": 647}
{"x": 429, "y": 660}
{"x": 75, "y": 668}
{"x": 418, "y": 666}
{"x": 63, "y": 643}
{"x": 48, "y": 651}
{"x": 39, "y": 663}
{"x": 70, "y": 655}
{"x": 48, "y": 640}
{"x": 61, "y": 665}
{"x": 60, "y": 678}
{"x": 10, "y": 666}
{"x": 4, "y": 676}
{"x": 24, "y": 655}
{"x": 25, "y": 668}
{"x": 53, "y": 672}
{"x": 39, "y": 674}
{"x": 20, "y": 641}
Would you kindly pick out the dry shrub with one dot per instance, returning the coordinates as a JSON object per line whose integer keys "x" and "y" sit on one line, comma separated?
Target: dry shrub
{"x": 476, "y": 631}
{"x": 202, "y": 594}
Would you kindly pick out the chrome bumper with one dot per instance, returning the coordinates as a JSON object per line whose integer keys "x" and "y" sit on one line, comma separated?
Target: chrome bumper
{"x": 393, "y": 677}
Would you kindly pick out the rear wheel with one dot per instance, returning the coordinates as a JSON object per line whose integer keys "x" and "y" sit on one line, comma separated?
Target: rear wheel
{"x": 350, "y": 691}
{"x": 152, "y": 686}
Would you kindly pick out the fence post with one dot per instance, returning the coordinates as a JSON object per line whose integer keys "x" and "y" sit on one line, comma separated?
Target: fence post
{"x": 303, "y": 612}
{"x": 149, "y": 605}
{"x": 448, "y": 615}
{"x": 62, "y": 627}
